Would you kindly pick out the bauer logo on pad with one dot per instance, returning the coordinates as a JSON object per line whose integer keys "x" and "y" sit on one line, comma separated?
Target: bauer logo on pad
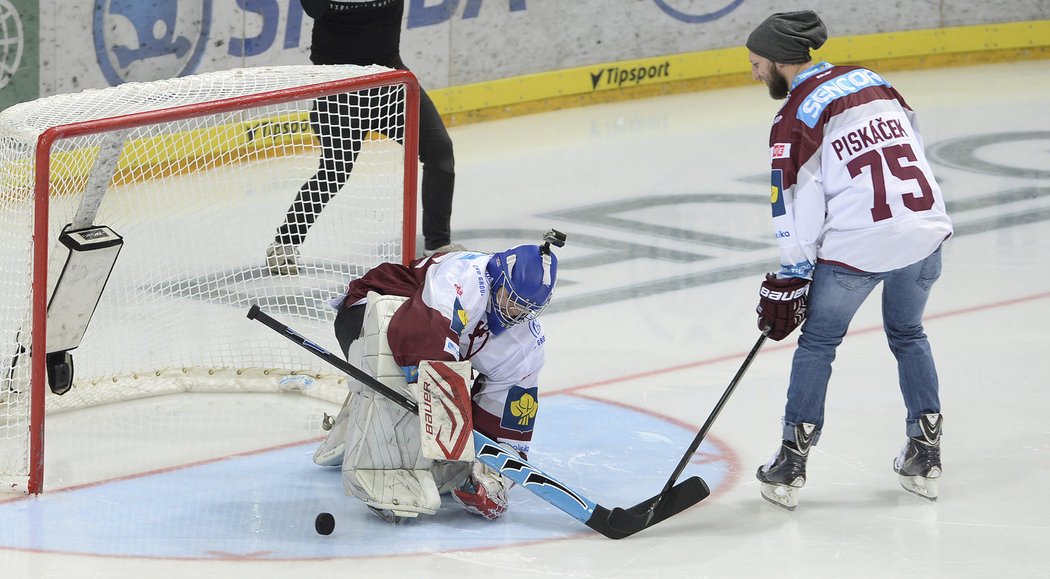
{"x": 445, "y": 419}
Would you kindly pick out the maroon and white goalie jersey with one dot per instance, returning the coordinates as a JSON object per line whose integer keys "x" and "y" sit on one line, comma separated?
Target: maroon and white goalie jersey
{"x": 850, "y": 181}
{"x": 445, "y": 319}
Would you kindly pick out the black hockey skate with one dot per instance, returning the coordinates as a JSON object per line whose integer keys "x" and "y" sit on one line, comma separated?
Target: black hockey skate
{"x": 919, "y": 464}
{"x": 392, "y": 517}
{"x": 786, "y": 472}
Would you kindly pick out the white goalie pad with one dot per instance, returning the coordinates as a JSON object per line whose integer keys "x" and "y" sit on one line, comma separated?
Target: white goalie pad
{"x": 371, "y": 354}
{"x": 331, "y": 451}
{"x": 383, "y": 464}
{"x": 405, "y": 493}
{"x": 445, "y": 418}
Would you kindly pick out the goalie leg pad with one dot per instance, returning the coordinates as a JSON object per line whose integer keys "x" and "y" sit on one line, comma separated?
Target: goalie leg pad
{"x": 383, "y": 465}
{"x": 402, "y": 492}
{"x": 375, "y": 355}
{"x": 331, "y": 451}
{"x": 365, "y": 351}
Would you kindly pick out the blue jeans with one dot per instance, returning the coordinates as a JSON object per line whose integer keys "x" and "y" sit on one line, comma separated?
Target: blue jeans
{"x": 834, "y": 297}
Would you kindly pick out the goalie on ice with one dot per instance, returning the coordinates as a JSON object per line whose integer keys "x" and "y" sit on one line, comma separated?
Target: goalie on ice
{"x": 456, "y": 332}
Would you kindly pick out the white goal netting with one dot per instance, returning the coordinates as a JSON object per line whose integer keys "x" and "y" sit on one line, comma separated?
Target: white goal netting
{"x": 271, "y": 186}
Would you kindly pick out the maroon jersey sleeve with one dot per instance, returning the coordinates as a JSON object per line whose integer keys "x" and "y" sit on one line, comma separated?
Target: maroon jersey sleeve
{"x": 418, "y": 332}
{"x": 388, "y": 279}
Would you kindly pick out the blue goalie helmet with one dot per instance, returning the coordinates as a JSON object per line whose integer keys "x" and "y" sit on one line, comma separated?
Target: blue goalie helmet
{"x": 523, "y": 280}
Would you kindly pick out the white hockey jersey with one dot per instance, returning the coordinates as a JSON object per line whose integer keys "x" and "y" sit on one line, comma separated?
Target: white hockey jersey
{"x": 445, "y": 319}
{"x": 850, "y": 181}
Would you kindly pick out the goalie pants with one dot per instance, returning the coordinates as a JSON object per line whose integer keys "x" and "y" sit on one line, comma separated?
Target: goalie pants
{"x": 834, "y": 297}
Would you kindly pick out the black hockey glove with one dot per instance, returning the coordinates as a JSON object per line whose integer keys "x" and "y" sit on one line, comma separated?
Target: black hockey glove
{"x": 782, "y": 305}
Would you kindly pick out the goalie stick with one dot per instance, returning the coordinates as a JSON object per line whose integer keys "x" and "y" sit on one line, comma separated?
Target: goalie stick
{"x": 641, "y": 513}
{"x": 674, "y": 498}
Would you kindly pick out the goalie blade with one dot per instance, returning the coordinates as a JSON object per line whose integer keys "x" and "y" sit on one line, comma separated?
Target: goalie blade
{"x": 619, "y": 523}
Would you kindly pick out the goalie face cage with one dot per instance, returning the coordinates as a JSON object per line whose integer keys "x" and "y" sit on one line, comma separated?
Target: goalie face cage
{"x": 197, "y": 175}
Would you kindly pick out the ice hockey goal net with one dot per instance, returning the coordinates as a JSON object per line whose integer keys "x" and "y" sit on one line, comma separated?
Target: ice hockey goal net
{"x": 195, "y": 175}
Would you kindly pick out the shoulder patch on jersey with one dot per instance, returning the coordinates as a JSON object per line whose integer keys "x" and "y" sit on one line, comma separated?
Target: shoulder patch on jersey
{"x": 460, "y": 319}
{"x": 776, "y": 192}
{"x": 519, "y": 412}
{"x": 780, "y": 150}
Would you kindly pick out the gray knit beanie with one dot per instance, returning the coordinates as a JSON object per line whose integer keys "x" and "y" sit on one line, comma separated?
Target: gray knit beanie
{"x": 786, "y": 37}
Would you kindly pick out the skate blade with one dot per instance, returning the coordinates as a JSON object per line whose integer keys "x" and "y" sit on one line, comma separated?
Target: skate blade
{"x": 921, "y": 487}
{"x": 783, "y": 496}
{"x": 393, "y": 517}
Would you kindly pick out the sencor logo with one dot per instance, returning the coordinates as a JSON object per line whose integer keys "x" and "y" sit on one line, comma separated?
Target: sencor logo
{"x": 137, "y": 41}
{"x": 852, "y": 82}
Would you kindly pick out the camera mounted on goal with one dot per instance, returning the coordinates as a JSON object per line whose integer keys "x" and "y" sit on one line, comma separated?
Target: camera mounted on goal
{"x": 92, "y": 253}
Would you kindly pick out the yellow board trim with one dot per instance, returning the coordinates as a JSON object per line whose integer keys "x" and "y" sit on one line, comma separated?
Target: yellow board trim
{"x": 729, "y": 67}
{"x": 196, "y": 150}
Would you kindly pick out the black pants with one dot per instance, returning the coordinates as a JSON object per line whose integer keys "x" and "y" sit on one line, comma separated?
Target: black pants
{"x": 341, "y": 122}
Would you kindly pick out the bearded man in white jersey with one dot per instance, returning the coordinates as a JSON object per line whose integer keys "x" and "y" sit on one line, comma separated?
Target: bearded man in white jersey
{"x": 854, "y": 204}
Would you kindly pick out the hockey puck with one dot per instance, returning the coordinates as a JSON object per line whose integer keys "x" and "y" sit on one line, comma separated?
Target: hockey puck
{"x": 324, "y": 524}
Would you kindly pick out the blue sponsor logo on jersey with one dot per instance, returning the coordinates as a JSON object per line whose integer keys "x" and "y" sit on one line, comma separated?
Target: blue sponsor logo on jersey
{"x": 519, "y": 412}
{"x": 776, "y": 193}
{"x": 852, "y": 82}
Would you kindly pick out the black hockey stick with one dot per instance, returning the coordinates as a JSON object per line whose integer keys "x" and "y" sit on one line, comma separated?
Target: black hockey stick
{"x": 674, "y": 499}
{"x": 652, "y": 510}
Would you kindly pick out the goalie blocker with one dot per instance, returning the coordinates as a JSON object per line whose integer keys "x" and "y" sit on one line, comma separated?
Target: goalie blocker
{"x": 445, "y": 420}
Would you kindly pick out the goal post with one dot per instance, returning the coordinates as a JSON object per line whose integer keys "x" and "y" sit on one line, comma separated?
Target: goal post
{"x": 199, "y": 178}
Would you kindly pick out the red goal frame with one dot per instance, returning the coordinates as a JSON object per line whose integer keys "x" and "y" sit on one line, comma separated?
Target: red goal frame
{"x": 45, "y": 142}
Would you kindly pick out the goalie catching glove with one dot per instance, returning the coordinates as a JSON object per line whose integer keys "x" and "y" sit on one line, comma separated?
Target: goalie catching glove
{"x": 483, "y": 493}
{"x": 782, "y": 305}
